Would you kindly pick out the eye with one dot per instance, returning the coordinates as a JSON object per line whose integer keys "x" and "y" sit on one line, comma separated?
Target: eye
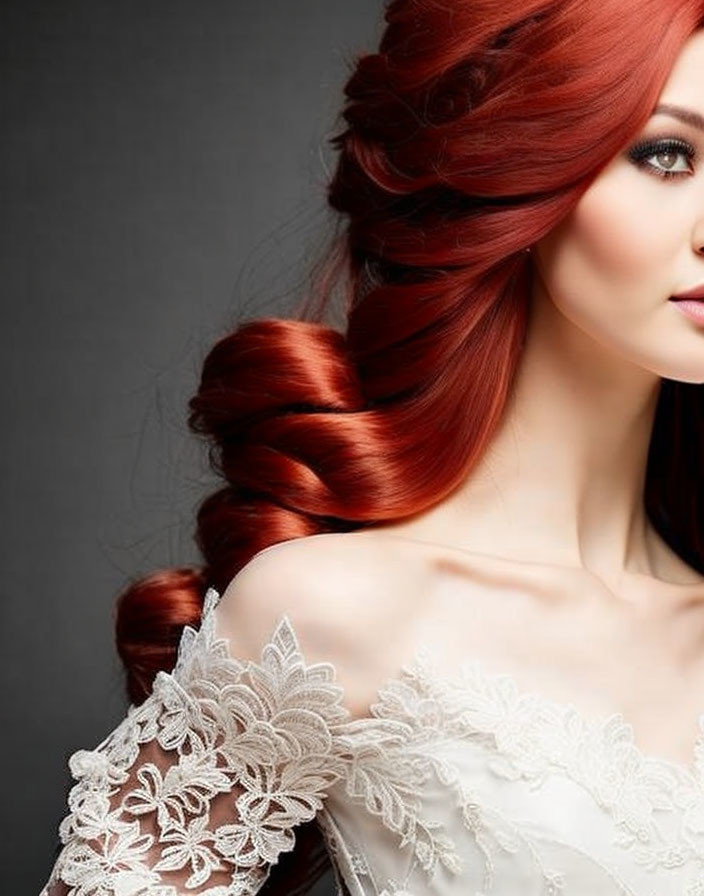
{"x": 670, "y": 157}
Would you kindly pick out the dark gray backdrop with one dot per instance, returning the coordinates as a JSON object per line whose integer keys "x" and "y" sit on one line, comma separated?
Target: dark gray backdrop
{"x": 163, "y": 168}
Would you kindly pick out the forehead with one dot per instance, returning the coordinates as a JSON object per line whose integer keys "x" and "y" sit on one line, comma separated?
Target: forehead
{"x": 685, "y": 83}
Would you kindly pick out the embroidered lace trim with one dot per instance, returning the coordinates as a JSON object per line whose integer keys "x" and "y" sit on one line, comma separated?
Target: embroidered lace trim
{"x": 201, "y": 786}
{"x": 528, "y": 737}
{"x": 206, "y": 778}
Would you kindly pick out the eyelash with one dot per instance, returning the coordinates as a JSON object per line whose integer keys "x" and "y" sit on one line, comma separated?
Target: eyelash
{"x": 643, "y": 151}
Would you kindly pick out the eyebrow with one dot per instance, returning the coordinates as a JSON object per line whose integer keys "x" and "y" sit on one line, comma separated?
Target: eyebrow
{"x": 688, "y": 116}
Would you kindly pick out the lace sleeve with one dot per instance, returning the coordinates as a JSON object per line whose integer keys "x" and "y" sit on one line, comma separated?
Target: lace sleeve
{"x": 199, "y": 788}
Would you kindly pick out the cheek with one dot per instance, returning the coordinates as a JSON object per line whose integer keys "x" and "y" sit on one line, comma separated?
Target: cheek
{"x": 617, "y": 229}
{"x": 615, "y": 246}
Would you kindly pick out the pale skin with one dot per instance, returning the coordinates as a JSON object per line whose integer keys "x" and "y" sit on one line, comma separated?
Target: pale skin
{"x": 543, "y": 563}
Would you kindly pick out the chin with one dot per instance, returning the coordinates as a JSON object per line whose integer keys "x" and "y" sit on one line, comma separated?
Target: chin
{"x": 679, "y": 370}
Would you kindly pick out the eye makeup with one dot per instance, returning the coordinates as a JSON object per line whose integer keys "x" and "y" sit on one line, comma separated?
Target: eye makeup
{"x": 643, "y": 151}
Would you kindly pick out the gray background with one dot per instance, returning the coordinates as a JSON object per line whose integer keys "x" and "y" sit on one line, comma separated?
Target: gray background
{"x": 163, "y": 172}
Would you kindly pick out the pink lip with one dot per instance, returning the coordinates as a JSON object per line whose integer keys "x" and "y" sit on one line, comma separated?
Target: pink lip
{"x": 697, "y": 294}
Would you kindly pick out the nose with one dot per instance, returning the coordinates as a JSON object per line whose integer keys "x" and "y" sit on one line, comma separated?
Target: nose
{"x": 698, "y": 236}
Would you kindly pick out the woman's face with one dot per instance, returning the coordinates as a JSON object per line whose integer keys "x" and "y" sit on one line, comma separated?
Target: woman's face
{"x": 636, "y": 237}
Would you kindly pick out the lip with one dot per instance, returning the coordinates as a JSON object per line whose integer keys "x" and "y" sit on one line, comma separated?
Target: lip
{"x": 697, "y": 294}
{"x": 691, "y": 308}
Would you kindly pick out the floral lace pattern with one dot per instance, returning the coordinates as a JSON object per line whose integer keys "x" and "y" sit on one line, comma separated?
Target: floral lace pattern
{"x": 257, "y": 734}
{"x": 529, "y": 737}
{"x": 199, "y": 788}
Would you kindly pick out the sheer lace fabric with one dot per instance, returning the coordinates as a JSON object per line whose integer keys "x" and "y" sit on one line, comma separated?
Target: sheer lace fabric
{"x": 462, "y": 785}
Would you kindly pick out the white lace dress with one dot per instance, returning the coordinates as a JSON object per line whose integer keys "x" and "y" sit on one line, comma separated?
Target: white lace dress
{"x": 451, "y": 786}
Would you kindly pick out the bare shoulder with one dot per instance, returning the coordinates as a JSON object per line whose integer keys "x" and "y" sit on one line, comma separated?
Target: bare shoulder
{"x": 344, "y": 594}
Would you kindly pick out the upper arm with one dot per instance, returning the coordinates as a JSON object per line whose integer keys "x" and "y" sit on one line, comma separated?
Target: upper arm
{"x": 307, "y": 581}
{"x": 205, "y": 781}
{"x": 343, "y": 597}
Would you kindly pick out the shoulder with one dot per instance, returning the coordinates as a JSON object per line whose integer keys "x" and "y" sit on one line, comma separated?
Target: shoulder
{"x": 344, "y": 595}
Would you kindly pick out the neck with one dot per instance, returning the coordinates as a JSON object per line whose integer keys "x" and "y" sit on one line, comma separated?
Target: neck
{"x": 562, "y": 481}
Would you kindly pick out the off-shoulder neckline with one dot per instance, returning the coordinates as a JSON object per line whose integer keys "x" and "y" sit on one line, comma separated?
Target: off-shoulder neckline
{"x": 474, "y": 675}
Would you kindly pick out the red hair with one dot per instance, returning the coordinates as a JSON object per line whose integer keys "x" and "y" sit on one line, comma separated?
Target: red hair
{"x": 473, "y": 130}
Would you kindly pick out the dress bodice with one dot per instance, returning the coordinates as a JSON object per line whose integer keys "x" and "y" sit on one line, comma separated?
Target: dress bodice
{"x": 462, "y": 785}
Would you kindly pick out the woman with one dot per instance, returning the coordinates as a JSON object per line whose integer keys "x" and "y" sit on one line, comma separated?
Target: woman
{"x": 476, "y": 665}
